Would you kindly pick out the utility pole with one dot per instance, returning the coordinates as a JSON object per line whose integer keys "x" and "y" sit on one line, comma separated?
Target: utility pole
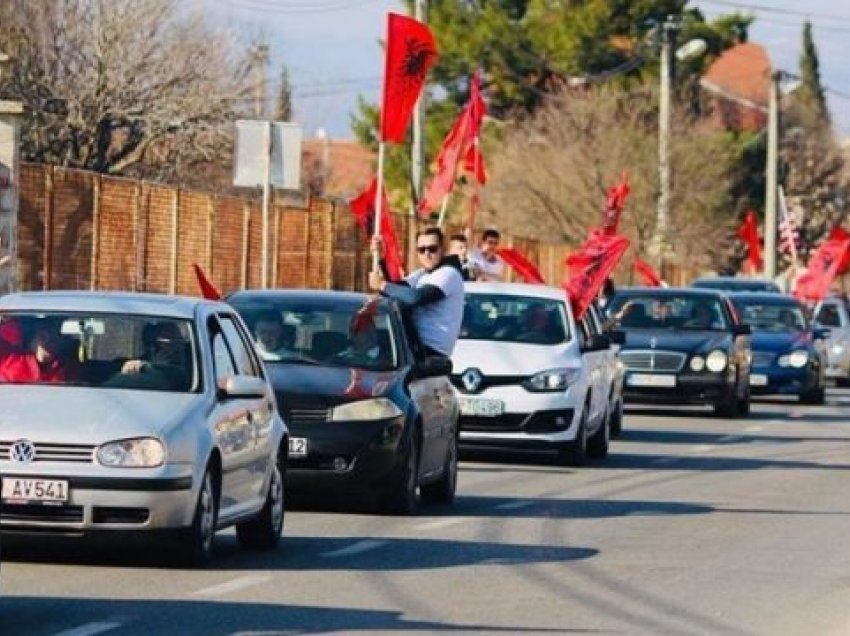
{"x": 417, "y": 147}
{"x": 771, "y": 178}
{"x": 260, "y": 96}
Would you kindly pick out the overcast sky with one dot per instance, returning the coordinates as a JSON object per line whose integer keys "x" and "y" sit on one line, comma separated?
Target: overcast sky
{"x": 331, "y": 48}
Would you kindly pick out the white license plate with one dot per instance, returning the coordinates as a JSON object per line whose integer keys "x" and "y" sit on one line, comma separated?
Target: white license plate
{"x": 297, "y": 446}
{"x": 20, "y": 490}
{"x": 481, "y": 407}
{"x": 652, "y": 379}
{"x": 758, "y": 379}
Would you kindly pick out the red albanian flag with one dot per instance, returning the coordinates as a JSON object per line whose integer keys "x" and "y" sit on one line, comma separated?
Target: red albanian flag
{"x": 473, "y": 164}
{"x": 521, "y": 265}
{"x": 588, "y": 268}
{"x": 208, "y": 290}
{"x": 411, "y": 52}
{"x": 447, "y": 163}
{"x": 749, "y": 233}
{"x": 838, "y": 233}
{"x": 823, "y": 266}
{"x": 364, "y": 318}
{"x": 614, "y": 205}
{"x": 649, "y": 276}
{"x": 363, "y": 207}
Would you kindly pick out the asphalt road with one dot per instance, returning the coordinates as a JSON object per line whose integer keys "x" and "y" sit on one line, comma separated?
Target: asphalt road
{"x": 693, "y": 525}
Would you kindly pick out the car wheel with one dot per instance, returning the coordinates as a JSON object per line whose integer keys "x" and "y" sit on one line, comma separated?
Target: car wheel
{"x": 617, "y": 419}
{"x": 597, "y": 445}
{"x": 196, "y": 541}
{"x": 814, "y": 397}
{"x": 401, "y": 497}
{"x": 843, "y": 382}
{"x": 744, "y": 404}
{"x": 442, "y": 491}
{"x": 574, "y": 452}
{"x": 263, "y": 532}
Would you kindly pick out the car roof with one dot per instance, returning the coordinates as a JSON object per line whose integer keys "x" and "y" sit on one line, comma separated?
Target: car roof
{"x": 671, "y": 292}
{"x": 773, "y": 297}
{"x": 302, "y": 295}
{"x": 107, "y": 302}
{"x": 516, "y": 289}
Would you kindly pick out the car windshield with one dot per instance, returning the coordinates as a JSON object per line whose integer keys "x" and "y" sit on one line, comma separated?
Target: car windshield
{"x": 338, "y": 334}
{"x": 656, "y": 311}
{"x": 118, "y": 351}
{"x": 514, "y": 319}
{"x": 764, "y": 316}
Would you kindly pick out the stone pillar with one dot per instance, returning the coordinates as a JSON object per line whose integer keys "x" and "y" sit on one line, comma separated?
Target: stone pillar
{"x": 10, "y": 123}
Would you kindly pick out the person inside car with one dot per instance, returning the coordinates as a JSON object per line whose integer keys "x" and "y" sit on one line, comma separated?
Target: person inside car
{"x": 163, "y": 365}
{"x": 364, "y": 349}
{"x": 271, "y": 336}
{"x": 788, "y": 320}
{"x": 703, "y": 316}
{"x": 537, "y": 326}
{"x": 49, "y": 358}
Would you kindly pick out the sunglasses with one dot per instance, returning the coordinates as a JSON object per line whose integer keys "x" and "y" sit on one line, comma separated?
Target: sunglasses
{"x": 430, "y": 249}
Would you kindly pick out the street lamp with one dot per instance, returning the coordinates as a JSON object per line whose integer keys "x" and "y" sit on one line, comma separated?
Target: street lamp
{"x": 691, "y": 49}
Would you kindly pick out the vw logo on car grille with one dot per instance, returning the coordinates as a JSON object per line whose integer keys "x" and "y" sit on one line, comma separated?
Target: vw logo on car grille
{"x": 471, "y": 379}
{"x": 22, "y": 451}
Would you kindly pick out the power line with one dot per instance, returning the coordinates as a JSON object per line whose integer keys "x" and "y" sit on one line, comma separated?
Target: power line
{"x": 754, "y": 6}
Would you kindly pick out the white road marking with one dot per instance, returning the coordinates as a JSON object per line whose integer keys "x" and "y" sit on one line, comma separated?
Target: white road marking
{"x": 232, "y": 585}
{"x": 440, "y": 523}
{"x": 754, "y": 429}
{"x": 90, "y": 629}
{"x": 702, "y": 448}
{"x": 514, "y": 505}
{"x": 356, "y": 548}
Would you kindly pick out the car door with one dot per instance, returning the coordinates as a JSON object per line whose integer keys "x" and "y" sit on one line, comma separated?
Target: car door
{"x": 256, "y": 411}
{"x": 607, "y": 362}
{"x": 595, "y": 363}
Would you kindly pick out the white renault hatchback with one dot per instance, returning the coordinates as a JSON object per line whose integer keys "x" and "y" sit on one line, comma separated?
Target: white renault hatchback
{"x": 137, "y": 414}
{"x": 527, "y": 374}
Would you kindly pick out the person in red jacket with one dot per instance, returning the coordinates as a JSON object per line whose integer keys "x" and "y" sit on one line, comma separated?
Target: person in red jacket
{"x": 46, "y": 360}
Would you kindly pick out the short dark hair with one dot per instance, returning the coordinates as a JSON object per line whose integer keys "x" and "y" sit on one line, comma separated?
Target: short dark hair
{"x": 458, "y": 237}
{"x": 491, "y": 233}
{"x": 432, "y": 231}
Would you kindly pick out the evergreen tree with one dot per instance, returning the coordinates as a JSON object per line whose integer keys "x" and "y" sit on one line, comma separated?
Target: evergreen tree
{"x": 811, "y": 94}
{"x": 283, "y": 110}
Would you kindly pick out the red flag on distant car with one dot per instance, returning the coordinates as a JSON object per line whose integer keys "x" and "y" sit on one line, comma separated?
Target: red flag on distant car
{"x": 838, "y": 233}
{"x": 521, "y": 265}
{"x": 588, "y": 268}
{"x": 649, "y": 276}
{"x": 208, "y": 290}
{"x": 410, "y": 53}
{"x": 823, "y": 267}
{"x": 614, "y": 205}
{"x": 749, "y": 233}
{"x": 363, "y": 207}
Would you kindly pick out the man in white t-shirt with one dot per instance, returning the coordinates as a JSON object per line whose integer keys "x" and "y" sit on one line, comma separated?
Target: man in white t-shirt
{"x": 434, "y": 293}
{"x": 486, "y": 262}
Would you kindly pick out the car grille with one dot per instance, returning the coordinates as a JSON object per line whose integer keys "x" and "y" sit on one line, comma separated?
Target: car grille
{"x": 537, "y": 422}
{"x": 44, "y": 452}
{"x": 43, "y": 514}
{"x": 309, "y": 416}
{"x": 653, "y": 360}
{"x": 763, "y": 358}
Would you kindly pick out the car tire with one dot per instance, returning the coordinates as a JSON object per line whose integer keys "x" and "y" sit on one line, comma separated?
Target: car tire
{"x": 617, "y": 419}
{"x": 728, "y": 408}
{"x": 843, "y": 382}
{"x": 400, "y": 499}
{"x": 574, "y": 452}
{"x": 263, "y": 532}
{"x": 442, "y": 491}
{"x": 598, "y": 443}
{"x": 813, "y": 397}
{"x": 195, "y": 543}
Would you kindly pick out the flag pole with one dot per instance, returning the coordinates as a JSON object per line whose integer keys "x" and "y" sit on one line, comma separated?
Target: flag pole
{"x": 379, "y": 200}
{"x": 443, "y": 207}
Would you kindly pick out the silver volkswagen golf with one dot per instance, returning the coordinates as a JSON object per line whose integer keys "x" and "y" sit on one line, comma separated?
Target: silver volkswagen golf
{"x": 137, "y": 413}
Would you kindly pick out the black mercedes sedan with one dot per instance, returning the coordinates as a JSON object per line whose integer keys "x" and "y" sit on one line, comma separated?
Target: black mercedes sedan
{"x": 683, "y": 346}
{"x": 368, "y": 415}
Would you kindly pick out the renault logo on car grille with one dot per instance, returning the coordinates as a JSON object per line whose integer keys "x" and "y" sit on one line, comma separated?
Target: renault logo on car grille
{"x": 22, "y": 451}
{"x": 471, "y": 379}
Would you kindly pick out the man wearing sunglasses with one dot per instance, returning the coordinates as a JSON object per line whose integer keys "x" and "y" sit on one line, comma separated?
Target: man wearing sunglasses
{"x": 434, "y": 293}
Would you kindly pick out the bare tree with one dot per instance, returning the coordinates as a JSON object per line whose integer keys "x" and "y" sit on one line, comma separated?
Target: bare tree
{"x": 110, "y": 85}
{"x": 551, "y": 175}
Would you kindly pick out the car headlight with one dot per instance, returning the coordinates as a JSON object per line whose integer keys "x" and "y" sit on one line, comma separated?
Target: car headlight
{"x": 697, "y": 363}
{"x": 716, "y": 361}
{"x": 363, "y": 410}
{"x": 143, "y": 452}
{"x": 552, "y": 380}
{"x": 837, "y": 349}
{"x": 796, "y": 359}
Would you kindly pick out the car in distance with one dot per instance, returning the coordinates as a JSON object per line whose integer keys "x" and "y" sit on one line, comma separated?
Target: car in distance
{"x": 162, "y": 423}
{"x": 833, "y": 313}
{"x": 788, "y": 354}
{"x": 736, "y": 283}
{"x": 683, "y": 346}
{"x": 528, "y": 375}
{"x": 369, "y": 414}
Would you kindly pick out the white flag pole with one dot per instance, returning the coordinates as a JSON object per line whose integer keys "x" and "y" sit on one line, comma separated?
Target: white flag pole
{"x": 379, "y": 200}
{"x": 443, "y": 207}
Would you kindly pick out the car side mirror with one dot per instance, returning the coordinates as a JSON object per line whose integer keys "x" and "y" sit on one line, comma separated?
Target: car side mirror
{"x": 598, "y": 342}
{"x": 243, "y": 386}
{"x": 433, "y": 366}
{"x": 617, "y": 337}
{"x": 742, "y": 330}
{"x": 820, "y": 333}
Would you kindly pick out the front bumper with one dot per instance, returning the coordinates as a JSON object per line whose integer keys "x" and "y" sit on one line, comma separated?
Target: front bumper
{"x": 781, "y": 380}
{"x": 686, "y": 389}
{"x": 99, "y": 502}
{"x": 345, "y": 456}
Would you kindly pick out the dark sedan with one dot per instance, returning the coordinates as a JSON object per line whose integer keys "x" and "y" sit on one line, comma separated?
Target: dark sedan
{"x": 366, "y": 414}
{"x": 683, "y": 346}
{"x": 788, "y": 354}
{"x": 736, "y": 284}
